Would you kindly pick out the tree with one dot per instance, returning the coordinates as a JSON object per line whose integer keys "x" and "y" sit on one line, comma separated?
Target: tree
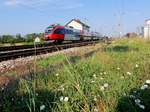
{"x": 19, "y": 38}
{"x": 8, "y": 39}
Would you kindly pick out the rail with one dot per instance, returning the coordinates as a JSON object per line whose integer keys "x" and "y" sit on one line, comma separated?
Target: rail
{"x": 13, "y": 54}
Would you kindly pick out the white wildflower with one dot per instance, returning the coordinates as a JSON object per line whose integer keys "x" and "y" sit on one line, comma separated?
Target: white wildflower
{"x": 102, "y": 88}
{"x": 101, "y": 78}
{"x": 94, "y": 75}
{"x": 36, "y": 94}
{"x": 136, "y": 65}
{"x": 62, "y": 89}
{"x": 57, "y": 75}
{"x": 78, "y": 85}
{"x": 124, "y": 94}
{"x": 129, "y": 73}
{"x": 132, "y": 96}
{"x": 135, "y": 92}
{"x": 42, "y": 107}
{"x": 92, "y": 81}
{"x": 66, "y": 99}
{"x": 96, "y": 110}
{"x": 147, "y": 81}
{"x": 2, "y": 88}
{"x": 144, "y": 87}
{"x": 141, "y": 106}
{"x": 101, "y": 73}
{"x": 137, "y": 101}
{"x": 105, "y": 73}
{"x": 12, "y": 99}
{"x": 61, "y": 98}
{"x": 118, "y": 68}
{"x": 106, "y": 85}
{"x": 122, "y": 77}
{"x": 95, "y": 99}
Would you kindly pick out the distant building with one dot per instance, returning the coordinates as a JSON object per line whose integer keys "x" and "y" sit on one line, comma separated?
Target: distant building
{"x": 147, "y": 22}
{"x": 132, "y": 34}
{"x": 146, "y": 29}
{"x": 77, "y": 24}
{"x": 146, "y": 32}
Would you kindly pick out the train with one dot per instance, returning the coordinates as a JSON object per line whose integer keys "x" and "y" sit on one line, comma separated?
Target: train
{"x": 60, "y": 33}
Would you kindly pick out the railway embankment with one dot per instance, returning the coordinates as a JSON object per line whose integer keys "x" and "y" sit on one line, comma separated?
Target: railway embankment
{"x": 22, "y": 67}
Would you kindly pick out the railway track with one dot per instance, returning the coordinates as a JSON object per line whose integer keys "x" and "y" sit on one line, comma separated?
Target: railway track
{"x": 13, "y": 54}
{"x": 10, "y": 48}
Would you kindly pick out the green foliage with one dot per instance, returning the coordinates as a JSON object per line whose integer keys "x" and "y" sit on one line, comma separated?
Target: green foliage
{"x": 7, "y": 39}
{"x": 128, "y": 103}
{"x": 53, "y": 60}
{"x": 19, "y": 39}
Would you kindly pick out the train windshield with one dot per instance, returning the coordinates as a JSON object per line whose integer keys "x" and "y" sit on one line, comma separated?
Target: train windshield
{"x": 59, "y": 31}
{"x": 49, "y": 31}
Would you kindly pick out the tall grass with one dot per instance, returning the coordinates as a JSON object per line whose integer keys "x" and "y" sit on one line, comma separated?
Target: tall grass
{"x": 94, "y": 84}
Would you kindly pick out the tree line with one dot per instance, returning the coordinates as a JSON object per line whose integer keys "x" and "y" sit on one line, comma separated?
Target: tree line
{"x": 18, "y": 38}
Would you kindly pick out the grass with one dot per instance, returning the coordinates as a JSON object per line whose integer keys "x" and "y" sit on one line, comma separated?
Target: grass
{"x": 16, "y": 44}
{"x": 53, "y": 60}
{"x": 102, "y": 82}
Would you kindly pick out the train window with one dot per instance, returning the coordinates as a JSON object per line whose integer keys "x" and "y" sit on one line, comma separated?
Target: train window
{"x": 68, "y": 31}
{"x": 48, "y": 31}
{"x": 59, "y": 31}
{"x": 76, "y": 34}
{"x": 71, "y": 32}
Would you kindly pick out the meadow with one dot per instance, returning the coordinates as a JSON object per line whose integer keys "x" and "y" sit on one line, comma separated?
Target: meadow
{"x": 114, "y": 78}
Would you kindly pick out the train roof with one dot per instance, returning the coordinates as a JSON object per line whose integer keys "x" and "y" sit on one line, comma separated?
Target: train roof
{"x": 54, "y": 27}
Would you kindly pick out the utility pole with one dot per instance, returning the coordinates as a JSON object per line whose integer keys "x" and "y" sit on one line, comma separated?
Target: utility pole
{"x": 148, "y": 25}
{"x": 148, "y": 31}
{"x": 120, "y": 19}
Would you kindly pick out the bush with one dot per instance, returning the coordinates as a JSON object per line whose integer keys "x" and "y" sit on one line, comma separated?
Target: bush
{"x": 7, "y": 39}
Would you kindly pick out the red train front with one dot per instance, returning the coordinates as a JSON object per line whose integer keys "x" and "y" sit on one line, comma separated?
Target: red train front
{"x": 54, "y": 33}
{"x": 60, "y": 33}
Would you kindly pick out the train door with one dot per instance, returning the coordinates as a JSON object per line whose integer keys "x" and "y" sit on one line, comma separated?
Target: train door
{"x": 68, "y": 34}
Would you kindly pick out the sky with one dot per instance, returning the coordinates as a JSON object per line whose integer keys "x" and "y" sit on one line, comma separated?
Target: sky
{"x": 108, "y": 17}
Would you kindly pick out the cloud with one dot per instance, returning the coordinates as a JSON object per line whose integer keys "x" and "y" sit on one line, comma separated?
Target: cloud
{"x": 25, "y": 2}
{"x": 72, "y": 6}
{"x": 44, "y": 4}
{"x": 11, "y": 2}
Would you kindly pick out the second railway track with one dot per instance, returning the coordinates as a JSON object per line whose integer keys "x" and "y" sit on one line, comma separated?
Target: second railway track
{"x": 13, "y": 54}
